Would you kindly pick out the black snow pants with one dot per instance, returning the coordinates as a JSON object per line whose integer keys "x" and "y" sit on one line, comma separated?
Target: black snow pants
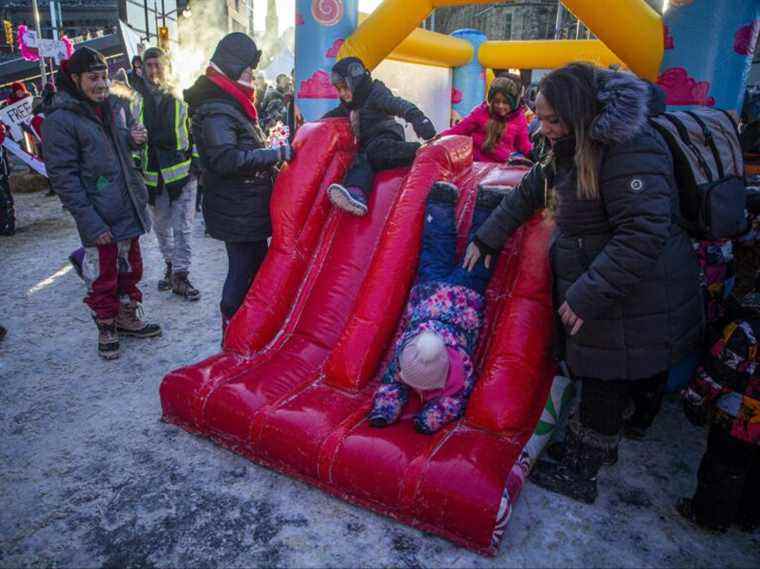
{"x": 728, "y": 482}
{"x": 381, "y": 153}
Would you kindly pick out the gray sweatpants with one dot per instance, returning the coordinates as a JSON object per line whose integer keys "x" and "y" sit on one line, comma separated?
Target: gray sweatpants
{"x": 173, "y": 224}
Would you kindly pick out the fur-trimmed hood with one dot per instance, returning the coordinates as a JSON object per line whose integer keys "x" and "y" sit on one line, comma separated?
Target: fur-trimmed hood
{"x": 626, "y": 102}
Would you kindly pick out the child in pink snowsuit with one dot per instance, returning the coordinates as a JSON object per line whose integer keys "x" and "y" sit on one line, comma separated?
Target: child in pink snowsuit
{"x": 498, "y": 126}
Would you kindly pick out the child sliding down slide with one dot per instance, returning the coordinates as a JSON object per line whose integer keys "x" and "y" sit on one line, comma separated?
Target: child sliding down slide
{"x": 371, "y": 106}
{"x": 433, "y": 356}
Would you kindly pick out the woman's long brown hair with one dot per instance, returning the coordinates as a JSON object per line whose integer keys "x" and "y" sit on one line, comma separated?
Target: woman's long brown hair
{"x": 571, "y": 91}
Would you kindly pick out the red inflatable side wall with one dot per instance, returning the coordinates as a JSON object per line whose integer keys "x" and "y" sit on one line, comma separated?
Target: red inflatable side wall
{"x": 303, "y": 354}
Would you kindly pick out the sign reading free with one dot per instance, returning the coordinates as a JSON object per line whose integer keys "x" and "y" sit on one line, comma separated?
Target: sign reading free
{"x": 15, "y": 115}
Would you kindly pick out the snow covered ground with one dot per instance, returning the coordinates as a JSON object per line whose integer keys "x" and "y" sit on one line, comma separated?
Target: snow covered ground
{"x": 89, "y": 475}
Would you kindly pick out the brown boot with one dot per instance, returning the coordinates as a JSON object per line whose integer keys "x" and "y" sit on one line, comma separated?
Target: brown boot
{"x": 182, "y": 286}
{"x": 129, "y": 322}
{"x": 108, "y": 339}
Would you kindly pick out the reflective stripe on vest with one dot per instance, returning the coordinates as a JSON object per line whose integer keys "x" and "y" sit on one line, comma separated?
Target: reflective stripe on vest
{"x": 176, "y": 172}
{"x": 151, "y": 178}
{"x": 180, "y": 125}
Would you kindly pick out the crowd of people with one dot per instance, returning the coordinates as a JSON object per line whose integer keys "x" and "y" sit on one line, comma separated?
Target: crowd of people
{"x": 628, "y": 283}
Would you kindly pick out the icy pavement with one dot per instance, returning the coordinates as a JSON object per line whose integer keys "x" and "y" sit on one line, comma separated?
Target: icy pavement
{"x": 89, "y": 475}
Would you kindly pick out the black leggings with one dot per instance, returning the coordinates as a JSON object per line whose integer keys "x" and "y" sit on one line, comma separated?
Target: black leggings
{"x": 244, "y": 260}
{"x": 603, "y": 402}
{"x": 379, "y": 154}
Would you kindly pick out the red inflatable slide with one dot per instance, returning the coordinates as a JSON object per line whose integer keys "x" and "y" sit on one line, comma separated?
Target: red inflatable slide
{"x": 302, "y": 357}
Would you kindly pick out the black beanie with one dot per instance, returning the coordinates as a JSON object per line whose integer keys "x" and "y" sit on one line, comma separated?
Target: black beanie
{"x": 153, "y": 53}
{"x": 85, "y": 59}
{"x": 234, "y": 53}
{"x": 351, "y": 71}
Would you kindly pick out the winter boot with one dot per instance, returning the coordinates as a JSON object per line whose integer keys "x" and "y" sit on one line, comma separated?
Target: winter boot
{"x": 489, "y": 197}
{"x": 3, "y": 333}
{"x": 352, "y": 200}
{"x": 387, "y": 405}
{"x": 575, "y": 474}
{"x": 129, "y": 322}
{"x": 748, "y": 517}
{"x": 181, "y": 286}
{"x": 108, "y": 339}
{"x": 715, "y": 505}
{"x": 444, "y": 192}
{"x": 165, "y": 283}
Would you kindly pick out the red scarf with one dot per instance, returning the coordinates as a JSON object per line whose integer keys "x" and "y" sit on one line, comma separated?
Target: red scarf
{"x": 246, "y": 96}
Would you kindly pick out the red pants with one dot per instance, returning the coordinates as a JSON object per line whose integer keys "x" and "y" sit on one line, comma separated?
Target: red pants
{"x": 112, "y": 272}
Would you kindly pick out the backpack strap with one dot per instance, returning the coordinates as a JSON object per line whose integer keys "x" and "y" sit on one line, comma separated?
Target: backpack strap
{"x": 710, "y": 142}
{"x": 683, "y": 134}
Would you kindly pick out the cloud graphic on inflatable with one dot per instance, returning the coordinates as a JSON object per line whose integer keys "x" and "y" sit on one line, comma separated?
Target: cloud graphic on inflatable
{"x": 456, "y": 96}
{"x": 745, "y": 38}
{"x": 318, "y": 86}
{"x": 335, "y": 48}
{"x": 684, "y": 90}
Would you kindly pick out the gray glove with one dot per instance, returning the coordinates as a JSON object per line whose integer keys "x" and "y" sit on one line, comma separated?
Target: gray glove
{"x": 285, "y": 152}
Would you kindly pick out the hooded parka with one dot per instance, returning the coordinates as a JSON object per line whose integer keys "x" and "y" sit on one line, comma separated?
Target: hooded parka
{"x": 622, "y": 262}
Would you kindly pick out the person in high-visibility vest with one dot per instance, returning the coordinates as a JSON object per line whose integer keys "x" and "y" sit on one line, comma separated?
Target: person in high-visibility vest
{"x": 166, "y": 167}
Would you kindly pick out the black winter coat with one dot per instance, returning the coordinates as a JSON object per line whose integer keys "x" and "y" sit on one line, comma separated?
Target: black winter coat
{"x": 238, "y": 170}
{"x": 376, "y": 114}
{"x": 622, "y": 262}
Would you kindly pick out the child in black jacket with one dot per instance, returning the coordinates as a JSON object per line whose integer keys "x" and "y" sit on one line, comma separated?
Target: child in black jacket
{"x": 371, "y": 106}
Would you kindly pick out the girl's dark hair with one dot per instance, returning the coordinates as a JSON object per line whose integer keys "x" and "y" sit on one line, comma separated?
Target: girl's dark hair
{"x": 136, "y": 58}
{"x": 571, "y": 91}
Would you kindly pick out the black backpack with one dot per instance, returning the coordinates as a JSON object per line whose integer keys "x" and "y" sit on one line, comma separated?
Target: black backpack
{"x": 709, "y": 170}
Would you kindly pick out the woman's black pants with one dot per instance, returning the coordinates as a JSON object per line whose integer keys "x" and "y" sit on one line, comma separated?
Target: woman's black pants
{"x": 244, "y": 260}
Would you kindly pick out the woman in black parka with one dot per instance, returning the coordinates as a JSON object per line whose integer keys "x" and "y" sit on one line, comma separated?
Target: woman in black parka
{"x": 238, "y": 167}
{"x": 626, "y": 282}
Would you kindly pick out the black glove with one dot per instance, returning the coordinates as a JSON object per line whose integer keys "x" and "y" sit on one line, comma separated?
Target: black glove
{"x": 424, "y": 129}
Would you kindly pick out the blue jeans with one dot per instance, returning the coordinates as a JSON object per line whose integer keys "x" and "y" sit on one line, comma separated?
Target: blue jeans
{"x": 438, "y": 260}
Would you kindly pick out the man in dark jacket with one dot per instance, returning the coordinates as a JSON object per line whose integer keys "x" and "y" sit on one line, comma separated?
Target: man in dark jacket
{"x": 172, "y": 186}
{"x": 87, "y": 141}
{"x": 238, "y": 168}
{"x": 371, "y": 108}
{"x": 276, "y": 103}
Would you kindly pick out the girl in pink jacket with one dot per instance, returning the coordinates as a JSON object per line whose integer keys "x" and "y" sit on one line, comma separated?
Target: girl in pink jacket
{"x": 498, "y": 126}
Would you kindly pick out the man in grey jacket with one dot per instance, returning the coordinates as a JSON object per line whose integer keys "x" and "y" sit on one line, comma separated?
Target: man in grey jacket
{"x": 87, "y": 140}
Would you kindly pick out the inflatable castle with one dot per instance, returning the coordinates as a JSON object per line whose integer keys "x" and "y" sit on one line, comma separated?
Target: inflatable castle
{"x": 302, "y": 357}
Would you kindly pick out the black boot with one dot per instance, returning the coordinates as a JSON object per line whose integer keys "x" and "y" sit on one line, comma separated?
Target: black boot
{"x": 489, "y": 197}
{"x": 575, "y": 475}
{"x": 716, "y": 503}
{"x": 444, "y": 192}
{"x": 165, "y": 283}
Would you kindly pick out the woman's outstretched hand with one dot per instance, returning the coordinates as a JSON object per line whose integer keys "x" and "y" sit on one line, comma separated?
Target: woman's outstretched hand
{"x": 472, "y": 256}
{"x": 570, "y": 319}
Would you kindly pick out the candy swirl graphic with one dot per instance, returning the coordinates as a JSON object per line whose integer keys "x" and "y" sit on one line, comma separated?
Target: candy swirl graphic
{"x": 327, "y": 12}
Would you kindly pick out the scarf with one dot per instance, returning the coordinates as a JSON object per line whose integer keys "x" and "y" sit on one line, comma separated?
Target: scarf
{"x": 246, "y": 96}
